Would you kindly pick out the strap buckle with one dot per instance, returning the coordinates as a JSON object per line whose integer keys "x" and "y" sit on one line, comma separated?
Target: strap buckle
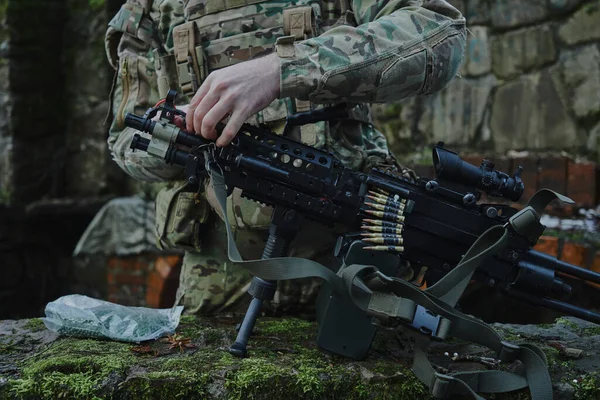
{"x": 509, "y": 352}
{"x": 442, "y": 386}
{"x": 426, "y": 322}
{"x": 526, "y": 222}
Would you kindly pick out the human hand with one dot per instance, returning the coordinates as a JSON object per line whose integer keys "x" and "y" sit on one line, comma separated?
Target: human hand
{"x": 240, "y": 91}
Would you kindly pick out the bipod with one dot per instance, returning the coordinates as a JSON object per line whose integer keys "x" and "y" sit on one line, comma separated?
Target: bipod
{"x": 285, "y": 224}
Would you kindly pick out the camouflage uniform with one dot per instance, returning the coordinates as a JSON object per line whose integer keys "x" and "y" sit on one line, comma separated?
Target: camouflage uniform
{"x": 330, "y": 51}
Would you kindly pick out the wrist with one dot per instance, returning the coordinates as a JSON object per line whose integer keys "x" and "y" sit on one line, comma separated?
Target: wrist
{"x": 274, "y": 74}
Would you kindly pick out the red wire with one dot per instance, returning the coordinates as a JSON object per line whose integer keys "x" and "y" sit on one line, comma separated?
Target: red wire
{"x": 160, "y": 102}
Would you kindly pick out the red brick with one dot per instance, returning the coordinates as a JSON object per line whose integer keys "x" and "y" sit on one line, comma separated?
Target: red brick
{"x": 165, "y": 265}
{"x": 133, "y": 263}
{"x": 473, "y": 159}
{"x": 548, "y": 245}
{"x": 581, "y": 183}
{"x": 573, "y": 253}
{"x": 128, "y": 279}
{"x": 163, "y": 281}
{"x": 153, "y": 299}
{"x": 529, "y": 176}
{"x": 553, "y": 173}
{"x": 595, "y": 267}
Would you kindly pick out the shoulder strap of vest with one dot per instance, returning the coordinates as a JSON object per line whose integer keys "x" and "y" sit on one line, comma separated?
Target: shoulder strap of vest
{"x": 134, "y": 19}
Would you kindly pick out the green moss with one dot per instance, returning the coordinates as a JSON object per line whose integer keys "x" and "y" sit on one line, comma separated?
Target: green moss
{"x": 279, "y": 366}
{"x": 166, "y": 385}
{"x": 283, "y": 326}
{"x": 71, "y": 368}
{"x": 591, "y": 331}
{"x": 568, "y": 324}
{"x": 257, "y": 378}
{"x": 553, "y": 356}
{"x": 188, "y": 319}
{"x": 201, "y": 331}
{"x": 35, "y": 325}
{"x": 510, "y": 335}
{"x": 199, "y": 362}
{"x": 96, "y": 4}
{"x": 588, "y": 387}
{"x": 292, "y": 329}
{"x": 9, "y": 346}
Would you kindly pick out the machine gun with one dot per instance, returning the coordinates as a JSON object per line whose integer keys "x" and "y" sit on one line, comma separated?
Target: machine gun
{"x": 418, "y": 230}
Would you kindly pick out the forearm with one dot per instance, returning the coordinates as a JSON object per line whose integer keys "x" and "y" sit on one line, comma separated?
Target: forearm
{"x": 402, "y": 52}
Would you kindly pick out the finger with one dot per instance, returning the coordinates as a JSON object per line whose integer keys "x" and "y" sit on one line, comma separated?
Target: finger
{"x": 189, "y": 117}
{"x": 232, "y": 128}
{"x": 207, "y": 103}
{"x": 179, "y": 122}
{"x": 212, "y": 118}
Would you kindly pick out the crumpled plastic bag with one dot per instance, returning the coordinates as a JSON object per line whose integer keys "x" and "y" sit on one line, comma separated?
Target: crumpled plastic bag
{"x": 78, "y": 315}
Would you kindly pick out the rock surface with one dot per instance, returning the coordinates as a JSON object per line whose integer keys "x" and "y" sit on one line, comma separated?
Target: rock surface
{"x": 528, "y": 112}
{"x": 583, "y": 25}
{"x": 523, "y": 50}
{"x": 514, "y": 13}
{"x": 530, "y": 71}
{"x": 284, "y": 362}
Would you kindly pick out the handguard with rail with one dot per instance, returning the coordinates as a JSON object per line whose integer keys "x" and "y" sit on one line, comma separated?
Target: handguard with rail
{"x": 419, "y": 231}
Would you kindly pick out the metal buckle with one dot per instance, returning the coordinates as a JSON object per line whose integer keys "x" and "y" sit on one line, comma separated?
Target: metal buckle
{"x": 426, "y": 322}
{"x": 442, "y": 386}
{"x": 509, "y": 352}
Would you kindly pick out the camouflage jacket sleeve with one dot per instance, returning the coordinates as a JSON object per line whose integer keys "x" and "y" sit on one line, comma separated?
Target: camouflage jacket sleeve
{"x": 398, "y": 49}
{"x": 128, "y": 45}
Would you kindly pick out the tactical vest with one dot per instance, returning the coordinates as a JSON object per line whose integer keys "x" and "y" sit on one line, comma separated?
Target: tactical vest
{"x": 214, "y": 34}
{"x": 188, "y": 39}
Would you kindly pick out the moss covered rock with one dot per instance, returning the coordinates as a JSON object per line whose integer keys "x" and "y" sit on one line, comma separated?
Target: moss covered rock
{"x": 284, "y": 362}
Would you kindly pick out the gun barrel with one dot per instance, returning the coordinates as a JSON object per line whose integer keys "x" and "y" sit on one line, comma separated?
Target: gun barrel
{"x": 139, "y": 143}
{"x": 551, "y": 262}
{"x": 138, "y": 123}
{"x": 557, "y": 305}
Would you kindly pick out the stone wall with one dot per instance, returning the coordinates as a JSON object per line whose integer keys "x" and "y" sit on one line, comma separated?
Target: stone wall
{"x": 530, "y": 81}
{"x": 89, "y": 170}
{"x": 54, "y": 100}
{"x": 5, "y": 142}
{"x": 55, "y": 171}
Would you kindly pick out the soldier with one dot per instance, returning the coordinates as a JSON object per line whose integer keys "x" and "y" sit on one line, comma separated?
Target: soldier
{"x": 258, "y": 61}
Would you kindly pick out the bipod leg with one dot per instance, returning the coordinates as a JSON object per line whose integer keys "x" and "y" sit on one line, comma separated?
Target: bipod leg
{"x": 285, "y": 223}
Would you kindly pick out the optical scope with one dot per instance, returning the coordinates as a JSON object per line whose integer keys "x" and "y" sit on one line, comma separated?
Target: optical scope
{"x": 449, "y": 166}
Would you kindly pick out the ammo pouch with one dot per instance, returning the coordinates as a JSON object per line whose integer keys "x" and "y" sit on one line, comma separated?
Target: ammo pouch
{"x": 180, "y": 216}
